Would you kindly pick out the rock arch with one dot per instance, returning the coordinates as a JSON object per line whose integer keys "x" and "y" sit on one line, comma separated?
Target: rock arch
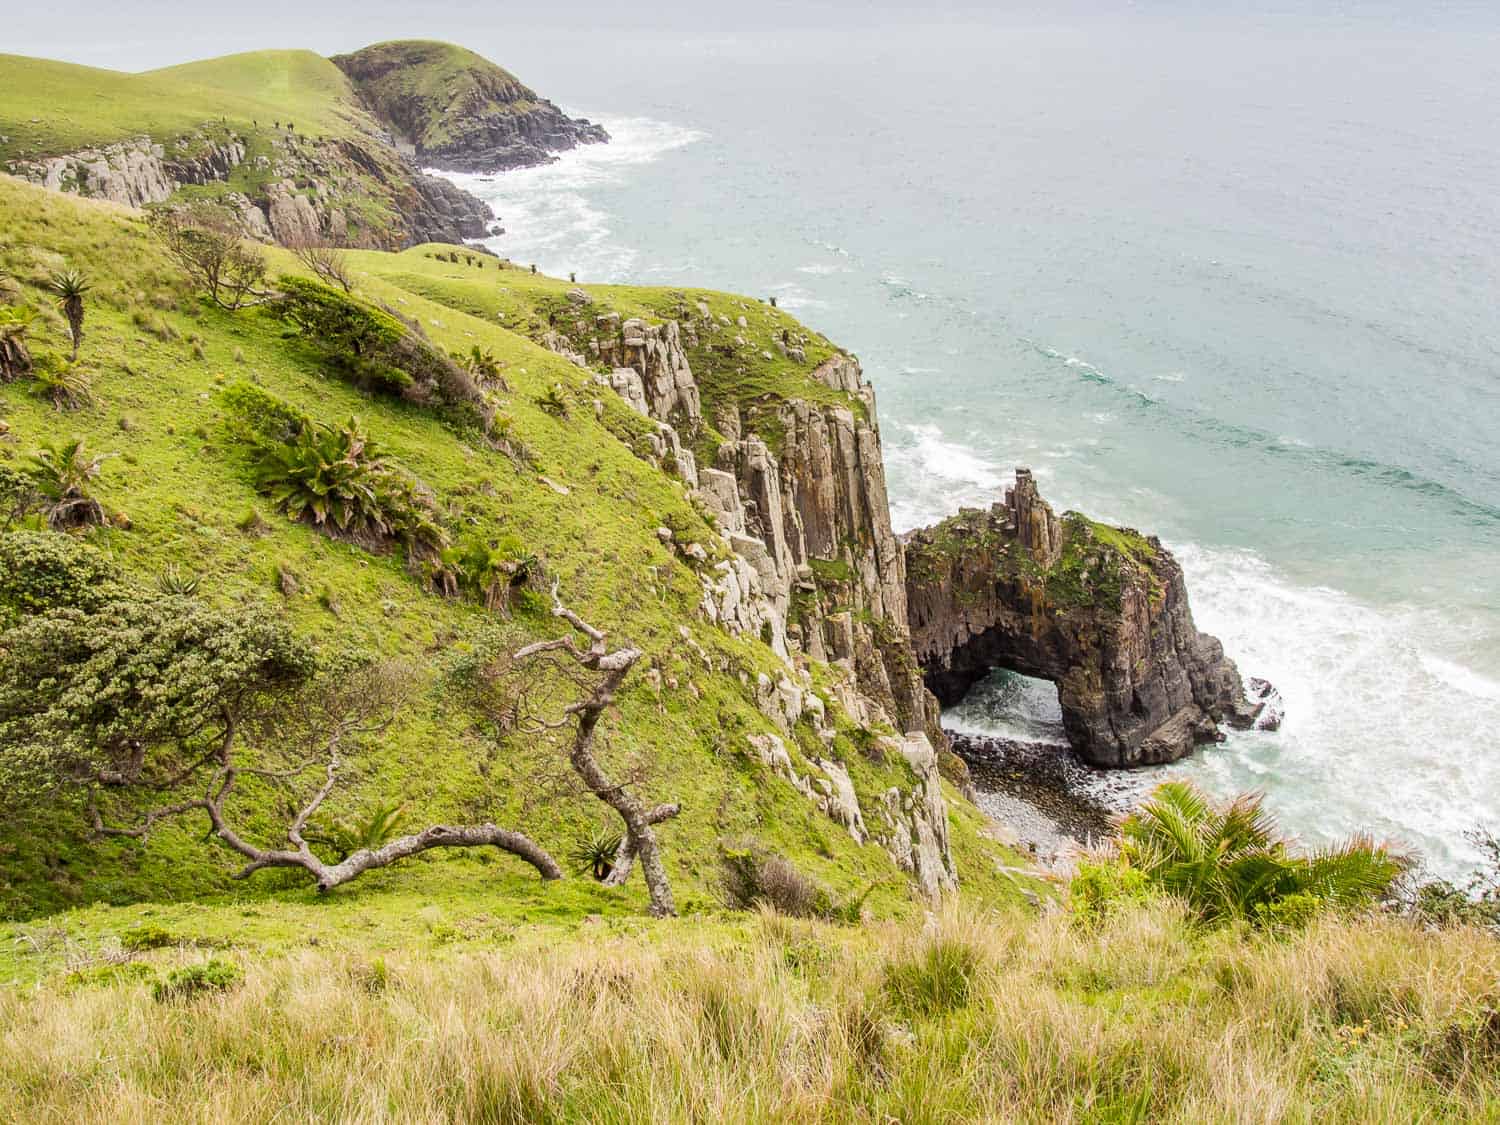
{"x": 1102, "y": 612}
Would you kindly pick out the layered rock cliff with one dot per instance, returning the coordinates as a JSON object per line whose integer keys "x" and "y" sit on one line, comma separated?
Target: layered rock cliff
{"x": 1101, "y": 612}
{"x": 292, "y": 189}
{"x": 451, "y": 109}
{"x": 811, "y": 565}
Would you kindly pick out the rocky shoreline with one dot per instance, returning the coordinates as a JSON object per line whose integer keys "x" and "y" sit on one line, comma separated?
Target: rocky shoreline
{"x": 1043, "y": 798}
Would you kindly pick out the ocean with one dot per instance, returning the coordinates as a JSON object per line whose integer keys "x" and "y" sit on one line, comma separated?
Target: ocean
{"x": 1233, "y": 281}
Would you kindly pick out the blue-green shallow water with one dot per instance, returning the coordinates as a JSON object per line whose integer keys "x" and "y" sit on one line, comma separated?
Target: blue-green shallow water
{"x": 1234, "y": 284}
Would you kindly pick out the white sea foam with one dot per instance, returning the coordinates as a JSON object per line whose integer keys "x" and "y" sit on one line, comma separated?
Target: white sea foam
{"x": 1380, "y": 730}
{"x": 552, "y": 214}
{"x": 937, "y": 475}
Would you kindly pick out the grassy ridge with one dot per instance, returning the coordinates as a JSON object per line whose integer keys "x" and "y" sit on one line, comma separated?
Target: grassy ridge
{"x": 160, "y": 362}
{"x": 52, "y": 108}
{"x": 993, "y": 1017}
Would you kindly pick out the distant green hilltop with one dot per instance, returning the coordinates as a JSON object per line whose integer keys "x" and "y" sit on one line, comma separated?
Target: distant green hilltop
{"x": 317, "y": 148}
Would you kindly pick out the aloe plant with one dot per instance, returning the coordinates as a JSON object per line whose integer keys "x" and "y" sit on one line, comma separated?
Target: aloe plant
{"x": 70, "y": 287}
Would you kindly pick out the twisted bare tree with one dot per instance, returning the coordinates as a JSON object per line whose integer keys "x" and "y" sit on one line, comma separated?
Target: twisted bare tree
{"x": 639, "y": 842}
{"x": 161, "y": 707}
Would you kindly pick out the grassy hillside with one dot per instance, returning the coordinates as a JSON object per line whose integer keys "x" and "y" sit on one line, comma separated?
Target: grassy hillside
{"x": 161, "y": 364}
{"x": 52, "y": 108}
{"x": 978, "y": 1017}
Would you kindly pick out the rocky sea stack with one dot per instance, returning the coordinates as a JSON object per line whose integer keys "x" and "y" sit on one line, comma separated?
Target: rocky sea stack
{"x": 1100, "y": 611}
{"x": 449, "y": 108}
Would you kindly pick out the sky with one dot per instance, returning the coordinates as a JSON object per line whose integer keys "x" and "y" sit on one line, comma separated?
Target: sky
{"x": 528, "y": 38}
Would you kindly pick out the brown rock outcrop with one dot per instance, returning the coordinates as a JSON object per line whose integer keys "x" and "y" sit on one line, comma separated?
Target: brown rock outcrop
{"x": 1101, "y": 612}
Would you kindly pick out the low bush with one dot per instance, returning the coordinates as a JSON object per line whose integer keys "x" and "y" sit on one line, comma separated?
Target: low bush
{"x": 1230, "y": 863}
{"x": 191, "y": 981}
{"x": 371, "y": 348}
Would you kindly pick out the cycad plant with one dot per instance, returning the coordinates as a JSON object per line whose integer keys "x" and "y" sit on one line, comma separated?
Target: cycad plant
{"x": 327, "y": 475}
{"x": 345, "y": 837}
{"x": 1230, "y": 861}
{"x": 482, "y": 364}
{"x": 62, "y": 473}
{"x": 15, "y": 357}
{"x": 69, "y": 288}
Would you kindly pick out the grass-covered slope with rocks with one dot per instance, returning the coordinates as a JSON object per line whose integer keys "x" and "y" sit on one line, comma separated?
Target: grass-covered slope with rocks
{"x": 165, "y": 371}
{"x": 281, "y": 134}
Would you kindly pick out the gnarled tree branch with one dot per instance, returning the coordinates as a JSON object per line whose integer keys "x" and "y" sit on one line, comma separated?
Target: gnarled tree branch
{"x": 639, "y": 841}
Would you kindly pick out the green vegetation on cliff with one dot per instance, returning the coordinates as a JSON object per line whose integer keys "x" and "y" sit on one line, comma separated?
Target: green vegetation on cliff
{"x": 166, "y": 374}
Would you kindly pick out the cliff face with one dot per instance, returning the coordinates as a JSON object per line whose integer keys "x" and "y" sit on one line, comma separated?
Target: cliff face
{"x": 451, "y": 109}
{"x": 1101, "y": 612}
{"x": 813, "y": 566}
{"x": 291, "y": 189}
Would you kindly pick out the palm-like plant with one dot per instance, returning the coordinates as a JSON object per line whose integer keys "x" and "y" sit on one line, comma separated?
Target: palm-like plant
{"x": 69, "y": 288}
{"x": 482, "y": 364}
{"x": 65, "y": 383}
{"x": 1231, "y": 862}
{"x": 370, "y": 834}
{"x": 174, "y": 582}
{"x": 596, "y": 854}
{"x": 15, "y": 358}
{"x": 327, "y": 475}
{"x": 62, "y": 474}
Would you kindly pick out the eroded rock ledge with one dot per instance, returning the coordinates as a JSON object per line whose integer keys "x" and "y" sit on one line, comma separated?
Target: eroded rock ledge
{"x": 1102, "y": 612}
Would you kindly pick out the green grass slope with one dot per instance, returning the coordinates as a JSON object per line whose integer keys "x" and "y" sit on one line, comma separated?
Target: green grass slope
{"x": 51, "y": 108}
{"x": 160, "y": 363}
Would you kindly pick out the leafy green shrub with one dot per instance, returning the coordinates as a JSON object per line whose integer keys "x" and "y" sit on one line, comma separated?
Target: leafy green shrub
{"x": 261, "y": 417}
{"x": 1099, "y": 889}
{"x": 191, "y": 981}
{"x": 936, "y": 979}
{"x": 1437, "y": 902}
{"x": 42, "y": 570}
{"x": 109, "y": 976}
{"x": 370, "y": 347}
{"x": 122, "y": 690}
{"x": 1230, "y": 863}
{"x": 147, "y": 936}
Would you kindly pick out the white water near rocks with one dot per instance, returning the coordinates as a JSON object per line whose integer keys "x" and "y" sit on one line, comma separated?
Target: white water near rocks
{"x": 1228, "y": 285}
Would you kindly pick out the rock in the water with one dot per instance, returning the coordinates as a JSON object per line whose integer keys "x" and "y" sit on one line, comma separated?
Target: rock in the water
{"x": 1102, "y": 612}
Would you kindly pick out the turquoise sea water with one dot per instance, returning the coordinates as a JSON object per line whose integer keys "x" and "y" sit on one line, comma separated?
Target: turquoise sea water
{"x": 1234, "y": 283}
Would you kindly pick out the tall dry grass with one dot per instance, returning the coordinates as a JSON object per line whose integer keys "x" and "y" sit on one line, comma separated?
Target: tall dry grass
{"x": 973, "y": 1018}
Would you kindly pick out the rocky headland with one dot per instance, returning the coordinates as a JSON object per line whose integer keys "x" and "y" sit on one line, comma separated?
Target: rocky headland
{"x": 451, "y": 109}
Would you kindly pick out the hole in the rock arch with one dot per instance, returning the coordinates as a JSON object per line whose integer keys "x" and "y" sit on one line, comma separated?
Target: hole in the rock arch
{"x": 1009, "y": 705}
